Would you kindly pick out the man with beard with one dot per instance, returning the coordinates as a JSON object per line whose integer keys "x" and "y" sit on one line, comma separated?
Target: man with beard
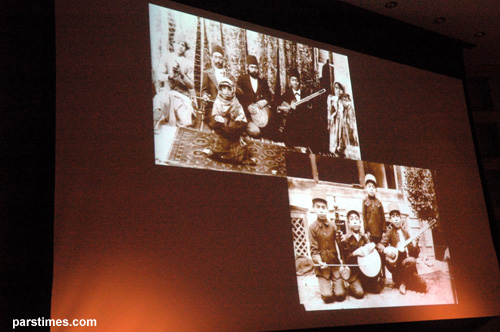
{"x": 211, "y": 79}
{"x": 255, "y": 97}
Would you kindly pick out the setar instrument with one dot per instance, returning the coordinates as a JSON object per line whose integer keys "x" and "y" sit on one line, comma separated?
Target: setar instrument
{"x": 286, "y": 107}
{"x": 393, "y": 255}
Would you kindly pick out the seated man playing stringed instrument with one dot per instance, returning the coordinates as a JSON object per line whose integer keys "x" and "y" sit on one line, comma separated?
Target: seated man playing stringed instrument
{"x": 297, "y": 124}
{"x": 401, "y": 259}
{"x": 360, "y": 250}
{"x": 288, "y": 100}
{"x": 255, "y": 97}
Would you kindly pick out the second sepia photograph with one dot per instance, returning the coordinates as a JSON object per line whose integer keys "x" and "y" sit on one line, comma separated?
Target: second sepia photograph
{"x": 366, "y": 235}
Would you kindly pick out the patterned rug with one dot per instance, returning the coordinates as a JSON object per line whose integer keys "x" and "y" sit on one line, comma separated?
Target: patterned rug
{"x": 189, "y": 143}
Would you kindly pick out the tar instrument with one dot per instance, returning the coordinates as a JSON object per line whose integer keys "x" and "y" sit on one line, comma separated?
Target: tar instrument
{"x": 392, "y": 251}
{"x": 259, "y": 112}
{"x": 285, "y": 107}
{"x": 333, "y": 265}
{"x": 206, "y": 100}
{"x": 344, "y": 270}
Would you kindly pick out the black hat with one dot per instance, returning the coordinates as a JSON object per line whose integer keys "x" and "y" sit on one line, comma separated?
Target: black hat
{"x": 218, "y": 49}
{"x": 252, "y": 60}
{"x": 294, "y": 73}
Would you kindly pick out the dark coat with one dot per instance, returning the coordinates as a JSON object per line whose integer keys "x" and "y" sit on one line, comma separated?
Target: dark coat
{"x": 209, "y": 84}
{"x": 374, "y": 216}
{"x": 390, "y": 238}
{"x": 247, "y": 96}
{"x": 323, "y": 248}
{"x": 296, "y": 129}
{"x": 405, "y": 270}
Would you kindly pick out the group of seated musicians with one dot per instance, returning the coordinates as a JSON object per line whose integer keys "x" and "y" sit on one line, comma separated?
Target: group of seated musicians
{"x": 351, "y": 264}
{"x": 265, "y": 116}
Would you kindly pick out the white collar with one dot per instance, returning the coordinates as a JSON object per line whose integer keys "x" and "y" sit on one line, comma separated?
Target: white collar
{"x": 254, "y": 83}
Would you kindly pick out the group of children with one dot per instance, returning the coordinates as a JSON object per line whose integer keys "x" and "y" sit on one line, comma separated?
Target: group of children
{"x": 335, "y": 254}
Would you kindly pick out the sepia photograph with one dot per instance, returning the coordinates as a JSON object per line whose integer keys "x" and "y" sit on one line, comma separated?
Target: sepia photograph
{"x": 231, "y": 99}
{"x": 367, "y": 235}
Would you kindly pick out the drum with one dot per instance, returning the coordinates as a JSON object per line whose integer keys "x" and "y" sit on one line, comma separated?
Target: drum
{"x": 370, "y": 264}
{"x": 259, "y": 114}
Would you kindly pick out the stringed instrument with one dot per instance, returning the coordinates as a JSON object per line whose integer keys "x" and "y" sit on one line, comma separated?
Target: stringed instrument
{"x": 370, "y": 264}
{"x": 260, "y": 113}
{"x": 344, "y": 270}
{"x": 401, "y": 248}
{"x": 286, "y": 107}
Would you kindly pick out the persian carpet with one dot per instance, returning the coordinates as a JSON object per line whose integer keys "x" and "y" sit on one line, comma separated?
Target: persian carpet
{"x": 187, "y": 151}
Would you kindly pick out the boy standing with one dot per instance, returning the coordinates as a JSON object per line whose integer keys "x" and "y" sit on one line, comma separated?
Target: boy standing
{"x": 404, "y": 270}
{"x": 324, "y": 251}
{"x": 373, "y": 211}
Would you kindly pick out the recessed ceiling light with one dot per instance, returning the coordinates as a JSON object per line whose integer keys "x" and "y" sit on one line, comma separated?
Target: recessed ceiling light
{"x": 391, "y": 4}
{"x": 440, "y": 20}
{"x": 479, "y": 34}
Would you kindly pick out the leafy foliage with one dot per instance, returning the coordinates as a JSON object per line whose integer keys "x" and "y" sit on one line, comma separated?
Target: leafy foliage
{"x": 420, "y": 192}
